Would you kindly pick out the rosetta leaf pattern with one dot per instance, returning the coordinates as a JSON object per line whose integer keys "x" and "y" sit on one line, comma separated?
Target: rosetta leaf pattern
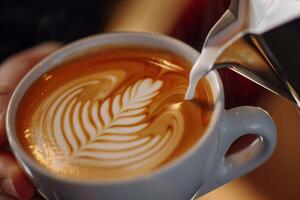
{"x": 118, "y": 118}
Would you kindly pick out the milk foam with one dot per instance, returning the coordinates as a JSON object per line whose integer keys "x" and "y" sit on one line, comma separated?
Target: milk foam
{"x": 107, "y": 131}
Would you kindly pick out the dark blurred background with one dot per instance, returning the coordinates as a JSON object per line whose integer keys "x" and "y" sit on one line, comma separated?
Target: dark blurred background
{"x": 26, "y": 23}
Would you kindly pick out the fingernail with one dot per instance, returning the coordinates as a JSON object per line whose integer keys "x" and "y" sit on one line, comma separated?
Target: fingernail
{"x": 48, "y": 46}
{"x": 8, "y": 187}
{"x": 1, "y": 104}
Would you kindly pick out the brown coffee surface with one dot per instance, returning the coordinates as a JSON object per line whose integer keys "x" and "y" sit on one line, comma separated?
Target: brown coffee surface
{"x": 114, "y": 113}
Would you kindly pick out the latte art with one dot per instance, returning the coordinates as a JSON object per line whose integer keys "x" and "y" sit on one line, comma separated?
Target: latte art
{"x": 108, "y": 132}
{"x": 123, "y": 118}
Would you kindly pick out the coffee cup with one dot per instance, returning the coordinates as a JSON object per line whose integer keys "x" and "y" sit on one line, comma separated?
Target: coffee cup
{"x": 202, "y": 167}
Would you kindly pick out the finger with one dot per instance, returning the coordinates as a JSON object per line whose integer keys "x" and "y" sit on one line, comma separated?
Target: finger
{"x": 12, "y": 71}
{"x": 7, "y": 197}
{"x": 13, "y": 182}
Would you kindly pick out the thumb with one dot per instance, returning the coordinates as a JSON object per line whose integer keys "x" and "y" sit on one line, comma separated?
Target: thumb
{"x": 13, "y": 182}
{"x": 12, "y": 71}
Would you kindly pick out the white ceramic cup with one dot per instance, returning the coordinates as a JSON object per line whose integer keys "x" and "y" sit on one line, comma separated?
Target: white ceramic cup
{"x": 201, "y": 169}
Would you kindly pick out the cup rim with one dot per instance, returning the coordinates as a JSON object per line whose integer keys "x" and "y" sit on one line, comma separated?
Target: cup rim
{"x": 18, "y": 150}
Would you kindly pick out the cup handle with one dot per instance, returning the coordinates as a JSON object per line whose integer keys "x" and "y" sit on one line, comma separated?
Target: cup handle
{"x": 237, "y": 122}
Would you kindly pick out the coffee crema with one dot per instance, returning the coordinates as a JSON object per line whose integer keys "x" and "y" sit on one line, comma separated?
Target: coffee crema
{"x": 117, "y": 112}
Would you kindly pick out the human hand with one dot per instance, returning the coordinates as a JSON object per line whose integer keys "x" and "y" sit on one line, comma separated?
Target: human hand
{"x": 13, "y": 183}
